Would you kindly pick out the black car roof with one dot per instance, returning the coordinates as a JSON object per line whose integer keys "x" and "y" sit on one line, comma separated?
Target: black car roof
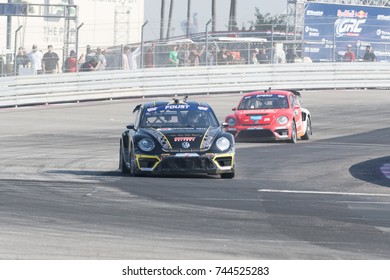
{"x": 162, "y": 103}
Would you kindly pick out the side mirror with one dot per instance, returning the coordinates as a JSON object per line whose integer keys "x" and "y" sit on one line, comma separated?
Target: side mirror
{"x": 224, "y": 124}
{"x": 130, "y": 126}
{"x": 234, "y": 109}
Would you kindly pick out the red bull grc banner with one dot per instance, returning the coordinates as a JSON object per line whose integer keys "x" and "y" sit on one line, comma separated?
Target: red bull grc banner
{"x": 329, "y": 28}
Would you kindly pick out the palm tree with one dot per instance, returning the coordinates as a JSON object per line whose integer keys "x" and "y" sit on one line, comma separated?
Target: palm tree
{"x": 233, "y": 15}
{"x": 188, "y": 17}
{"x": 162, "y": 19}
{"x": 213, "y": 15}
{"x": 170, "y": 18}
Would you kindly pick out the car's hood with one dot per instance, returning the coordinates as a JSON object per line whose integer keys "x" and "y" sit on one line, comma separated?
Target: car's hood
{"x": 185, "y": 138}
{"x": 263, "y": 116}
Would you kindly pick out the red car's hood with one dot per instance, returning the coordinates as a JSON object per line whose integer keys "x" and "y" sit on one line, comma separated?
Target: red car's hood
{"x": 263, "y": 116}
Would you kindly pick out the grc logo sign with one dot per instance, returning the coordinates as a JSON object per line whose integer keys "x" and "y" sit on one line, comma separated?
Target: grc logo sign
{"x": 350, "y": 27}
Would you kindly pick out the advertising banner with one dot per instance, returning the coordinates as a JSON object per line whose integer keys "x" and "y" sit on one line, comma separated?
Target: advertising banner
{"x": 330, "y": 28}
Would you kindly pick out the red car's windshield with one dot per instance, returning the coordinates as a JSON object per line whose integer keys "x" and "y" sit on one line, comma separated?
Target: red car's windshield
{"x": 263, "y": 101}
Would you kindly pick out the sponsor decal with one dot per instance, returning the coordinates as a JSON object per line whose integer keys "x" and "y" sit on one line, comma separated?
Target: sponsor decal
{"x": 187, "y": 139}
{"x": 384, "y": 35}
{"x": 203, "y": 108}
{"x": 383, "y": 17}
{"x": 348, "y": 27}
{"x": 352, "y": 14}
{"x": 315, "y": 13}
{"x": 176, "y": 106}
{"x": 256, "y": 118}
{"x": 314, "y": 32}
{"x": 185, "y": 145}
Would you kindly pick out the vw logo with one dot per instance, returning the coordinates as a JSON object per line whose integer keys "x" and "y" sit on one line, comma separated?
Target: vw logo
{"x": 185, "y": 145}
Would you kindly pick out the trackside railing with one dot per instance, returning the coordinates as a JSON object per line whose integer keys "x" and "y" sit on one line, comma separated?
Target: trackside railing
{"x": 102, "y": 85}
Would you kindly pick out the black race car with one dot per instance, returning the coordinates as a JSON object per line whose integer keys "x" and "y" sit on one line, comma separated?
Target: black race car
{"x": 175, "y": 138}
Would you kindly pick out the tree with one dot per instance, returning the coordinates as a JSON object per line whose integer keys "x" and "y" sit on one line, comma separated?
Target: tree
{"x": 264, "y": 22}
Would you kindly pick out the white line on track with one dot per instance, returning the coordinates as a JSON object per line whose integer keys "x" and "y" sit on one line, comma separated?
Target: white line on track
{"x": 326, "y": 193}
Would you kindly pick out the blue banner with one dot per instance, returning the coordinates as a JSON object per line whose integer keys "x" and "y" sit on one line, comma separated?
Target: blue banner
{"x": 330, "y": 28}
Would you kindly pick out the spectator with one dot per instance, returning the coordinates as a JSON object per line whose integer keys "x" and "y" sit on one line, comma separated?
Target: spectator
{"x": 50, "y": 61}
{"x": 349, "y": 56}
{"x": 101, "y": 58}
{"x": 91, "y": 65}
{"x": 184, "y": 55}
{"x": 21, "y": 59}
{"x": 88, "y": 53}
{"x": 134, "y": 53}
{"x": 254, "y": 54}
{"x": 70, "y": 64}
{"x": 36, "y": 57}
{"x": 125, "y": 58}
{"x": 195, "y": 54}
{"x": 263, "y": 57}
{"x": 149, "y": 56}
{"x": 173, "y": 57}
{"x": 222, "y": 56}
{"x": 369, "y": 55}
{"x": 212, "y": 56}
{"x": 279, "y": 56}
{"x": 291, "y": 55}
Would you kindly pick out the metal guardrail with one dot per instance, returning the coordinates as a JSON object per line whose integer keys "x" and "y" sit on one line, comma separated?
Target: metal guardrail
{"x": 86, "y": 86}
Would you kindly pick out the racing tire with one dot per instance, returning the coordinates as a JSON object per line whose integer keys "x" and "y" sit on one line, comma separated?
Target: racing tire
{"x": 227, "y": 175}
{"x": 122, "y": 164}
{"x": 293, "y": 138}
{"x": 133, "y": 165}
{"x": 308, "y": 132}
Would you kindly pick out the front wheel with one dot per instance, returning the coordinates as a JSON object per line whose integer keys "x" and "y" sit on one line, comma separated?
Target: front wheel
{"x": 122, "y": 164}
{"x": 133, "y": 164}
{"x": 293, "y": 138}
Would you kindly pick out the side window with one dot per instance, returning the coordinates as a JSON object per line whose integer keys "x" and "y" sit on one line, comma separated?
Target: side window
{"x": 137, "y": 118}
{"x": 292, "y": 101}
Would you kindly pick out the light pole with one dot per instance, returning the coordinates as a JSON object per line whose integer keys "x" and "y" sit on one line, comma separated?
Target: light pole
{"x": 207, "y": 42}
{"x": 16, "y": 41}
{"x": 142, "y": 44}
{"x": 77, "y": 46}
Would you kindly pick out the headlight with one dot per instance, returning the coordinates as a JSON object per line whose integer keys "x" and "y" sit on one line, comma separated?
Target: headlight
{"x": 282, "y": 120}
{"x": 146, "y": 144}
{"x": 231, "y": 121}
{"x": 223, "y": 144}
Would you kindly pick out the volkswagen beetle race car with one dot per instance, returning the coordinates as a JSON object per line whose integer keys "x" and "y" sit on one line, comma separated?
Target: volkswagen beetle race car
{"x": 176, "y": 137}
{"x": 270, "y": 115}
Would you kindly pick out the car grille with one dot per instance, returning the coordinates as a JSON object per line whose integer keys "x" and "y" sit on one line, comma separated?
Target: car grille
{"x": 190, "y": 164}
{"x": 255, "y": 133}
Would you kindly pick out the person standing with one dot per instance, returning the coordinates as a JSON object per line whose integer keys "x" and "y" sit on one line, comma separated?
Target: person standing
{"x": 222, "y": 56}
{"x": 173, "y": 57}
{"x": 349, "y": 56}
{"x": 36, "y": 57}
{"x": 21, "y": 59}
{"x": 369, "y": 55}
{"x": 134, "y": 53}
{"x": 71, "y": 63}
{"x": 125, "y": 58}
{"x": 50, "y": 61}
{"x": 263, "y": 57}
{"x": 101, "y": 58}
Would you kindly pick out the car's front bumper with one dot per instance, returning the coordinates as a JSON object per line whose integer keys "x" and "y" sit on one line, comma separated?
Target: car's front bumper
{"x": 188, "y": 163}
{"x": 260, "y": 133}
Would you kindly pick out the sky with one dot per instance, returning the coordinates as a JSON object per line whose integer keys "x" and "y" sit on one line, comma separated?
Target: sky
{"x": 245, "y": 13}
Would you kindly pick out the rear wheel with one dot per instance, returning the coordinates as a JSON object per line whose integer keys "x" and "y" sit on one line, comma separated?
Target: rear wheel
{"x": 308, "y": 132}
{"x": 227, "y": 175}
{"x": 293, "y": 138}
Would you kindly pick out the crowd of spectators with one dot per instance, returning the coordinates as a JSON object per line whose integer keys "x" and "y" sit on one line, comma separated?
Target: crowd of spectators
{"x": 129, "y": 57}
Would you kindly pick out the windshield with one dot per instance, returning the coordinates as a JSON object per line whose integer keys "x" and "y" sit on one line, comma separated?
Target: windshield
{"x": 264, "y": 101}
{"x": 179, "y": 115}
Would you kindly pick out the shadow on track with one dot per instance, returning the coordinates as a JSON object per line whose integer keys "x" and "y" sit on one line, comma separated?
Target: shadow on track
{"x": 373, "y": 171}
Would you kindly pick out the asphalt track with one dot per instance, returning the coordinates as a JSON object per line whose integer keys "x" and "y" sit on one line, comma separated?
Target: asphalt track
{"x": 62, "y": 196}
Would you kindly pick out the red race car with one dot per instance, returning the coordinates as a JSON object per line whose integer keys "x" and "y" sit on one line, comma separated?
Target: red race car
{"x": 270, "y": 115}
